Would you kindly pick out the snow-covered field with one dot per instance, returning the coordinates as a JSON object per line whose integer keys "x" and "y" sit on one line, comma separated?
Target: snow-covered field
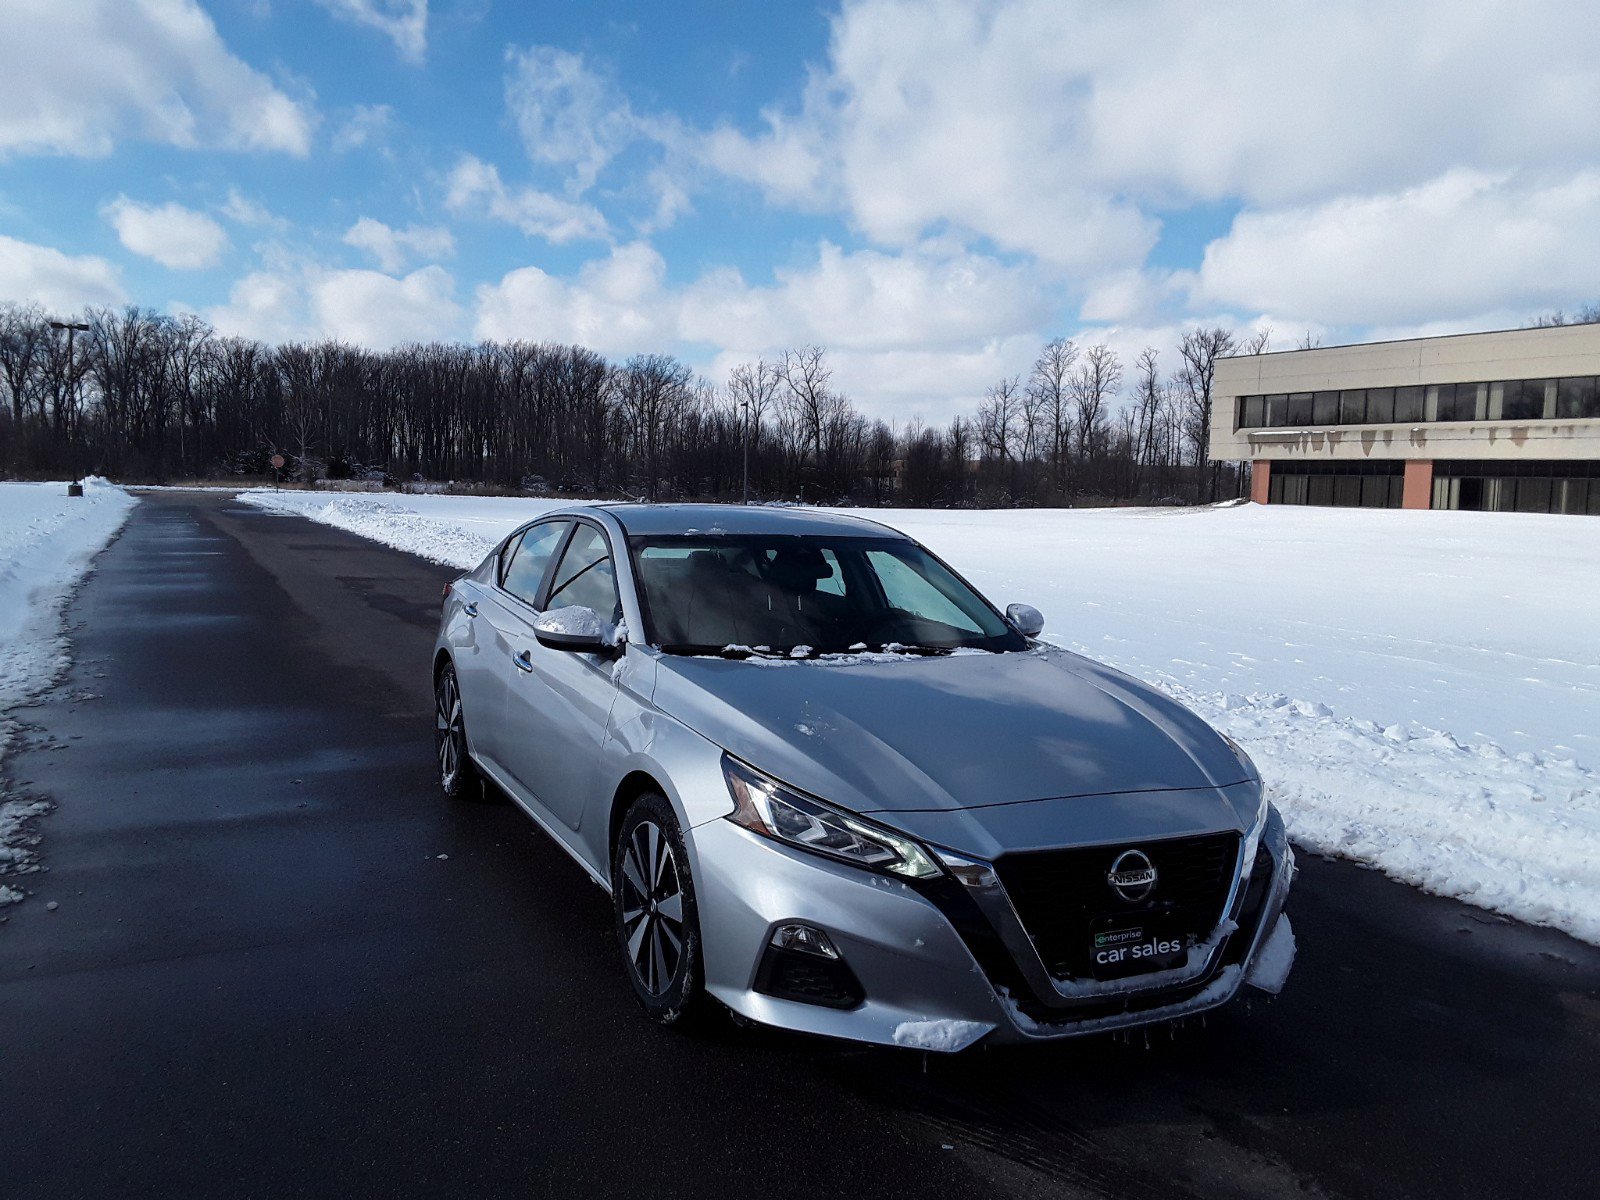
{"x": 46, "y": 543}
{"x": 1420, "y": 689}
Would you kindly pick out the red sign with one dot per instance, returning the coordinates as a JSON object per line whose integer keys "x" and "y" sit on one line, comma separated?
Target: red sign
{"x": 277, "y": 462}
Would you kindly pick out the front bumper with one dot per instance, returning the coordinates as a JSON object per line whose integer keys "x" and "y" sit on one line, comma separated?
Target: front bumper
{"x": 939, "y": 965}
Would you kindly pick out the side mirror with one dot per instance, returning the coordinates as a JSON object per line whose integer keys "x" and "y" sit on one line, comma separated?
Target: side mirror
{"x": 1025, "y": 619}
{"x": 576, "y": 629}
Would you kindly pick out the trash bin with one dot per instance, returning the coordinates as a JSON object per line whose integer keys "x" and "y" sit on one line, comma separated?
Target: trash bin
{"x": 74, "y": 489}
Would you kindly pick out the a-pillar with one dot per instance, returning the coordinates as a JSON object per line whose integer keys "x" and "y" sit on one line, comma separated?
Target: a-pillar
{"x": 1418, "y": 490}
{"x": 1260, "y": 478}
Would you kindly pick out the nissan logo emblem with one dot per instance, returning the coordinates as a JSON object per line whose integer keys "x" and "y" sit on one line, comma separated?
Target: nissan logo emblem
{"x": 1132, "y": 876}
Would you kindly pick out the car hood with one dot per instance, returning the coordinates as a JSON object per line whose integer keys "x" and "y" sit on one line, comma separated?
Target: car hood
{"x": 902, "y": 734}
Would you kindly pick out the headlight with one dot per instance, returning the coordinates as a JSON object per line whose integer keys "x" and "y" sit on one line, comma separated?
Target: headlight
{"x": 763, "y": 805}
{"x": 1252, "y": 837}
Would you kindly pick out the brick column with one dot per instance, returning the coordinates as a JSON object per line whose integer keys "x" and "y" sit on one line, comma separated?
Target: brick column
{"x": 1418, "y": 490}
{"x": 1260, "y": 477}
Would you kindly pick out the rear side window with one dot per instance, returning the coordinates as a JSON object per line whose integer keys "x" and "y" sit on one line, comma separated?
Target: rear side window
{"x": 525, "y": 571}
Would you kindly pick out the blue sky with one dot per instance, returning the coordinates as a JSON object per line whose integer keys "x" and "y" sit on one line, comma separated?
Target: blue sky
{"x": 931, "y": 190}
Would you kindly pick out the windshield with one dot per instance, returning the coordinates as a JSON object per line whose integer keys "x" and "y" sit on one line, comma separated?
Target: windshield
{"x": 793, "y": 595}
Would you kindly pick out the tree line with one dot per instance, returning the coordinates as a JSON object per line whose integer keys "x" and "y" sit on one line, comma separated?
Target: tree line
{"x": 141, "y": 396}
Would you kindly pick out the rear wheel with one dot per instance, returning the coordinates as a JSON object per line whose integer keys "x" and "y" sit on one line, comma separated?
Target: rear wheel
{"x": 458, "y": 775}
{"x": 657, "y": 920}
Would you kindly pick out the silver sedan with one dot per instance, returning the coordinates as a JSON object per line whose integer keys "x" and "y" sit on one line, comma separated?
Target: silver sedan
{"x": 832, "y": 788}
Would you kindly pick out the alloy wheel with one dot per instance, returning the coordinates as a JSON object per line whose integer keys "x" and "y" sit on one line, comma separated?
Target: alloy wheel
{"x": 450, "y": 731}
{"x": 652, "y": 907}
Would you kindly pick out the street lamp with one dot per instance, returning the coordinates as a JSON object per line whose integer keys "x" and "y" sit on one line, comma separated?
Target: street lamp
{"x": 72, "y": 328}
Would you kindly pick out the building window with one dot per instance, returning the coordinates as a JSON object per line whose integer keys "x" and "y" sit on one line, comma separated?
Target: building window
{"x": 1524, "y": 400}
{"x": 1407, "y": 405}
{"x": 1380, "y": 406}
{"x": 1577, "y": 398}
{"x": 1338, "y": 485}
{"x": 1502, "y": 400}
{"x": 1512, "y": 486}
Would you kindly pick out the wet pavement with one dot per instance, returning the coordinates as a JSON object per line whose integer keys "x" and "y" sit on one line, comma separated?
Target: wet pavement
{"x": 281, "y": 963}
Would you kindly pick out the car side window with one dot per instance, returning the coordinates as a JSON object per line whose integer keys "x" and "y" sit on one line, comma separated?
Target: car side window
{"x": 586, "y": 576}
{"x": 525, "y": 572}
{"x": 507, "y": 553}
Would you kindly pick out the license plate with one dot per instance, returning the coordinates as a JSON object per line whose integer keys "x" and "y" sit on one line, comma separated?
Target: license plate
{"x": 1119, "y": 947}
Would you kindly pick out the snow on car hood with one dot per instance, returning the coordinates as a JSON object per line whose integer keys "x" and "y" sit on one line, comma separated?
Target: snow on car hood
{"x": 909, "y": 734}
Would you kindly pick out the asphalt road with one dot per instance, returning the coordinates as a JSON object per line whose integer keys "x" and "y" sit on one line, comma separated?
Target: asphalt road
{"x": 282, "y": 964}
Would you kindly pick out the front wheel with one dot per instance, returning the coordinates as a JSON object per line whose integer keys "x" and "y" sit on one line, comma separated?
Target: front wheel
{"x": 458, "y": 775}
{"x": 657, "y": 921}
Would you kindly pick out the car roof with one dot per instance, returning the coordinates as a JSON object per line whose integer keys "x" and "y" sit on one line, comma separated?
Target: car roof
{"x": 668, "y": 520}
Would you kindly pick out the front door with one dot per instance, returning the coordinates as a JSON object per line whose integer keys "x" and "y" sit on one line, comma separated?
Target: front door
{"x": 558, "y": 703}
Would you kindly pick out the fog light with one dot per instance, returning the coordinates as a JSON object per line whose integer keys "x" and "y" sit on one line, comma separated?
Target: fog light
{"x": 805, "y": 939}
{"x": 802, "y": 964}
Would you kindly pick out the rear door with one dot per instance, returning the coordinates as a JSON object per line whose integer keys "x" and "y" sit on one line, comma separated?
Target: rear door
{"x": 558, "y": 703}
{"x": 523, "y": 564}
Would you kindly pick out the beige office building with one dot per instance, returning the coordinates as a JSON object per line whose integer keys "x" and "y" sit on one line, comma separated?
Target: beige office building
{"x": 1505, "y": 421}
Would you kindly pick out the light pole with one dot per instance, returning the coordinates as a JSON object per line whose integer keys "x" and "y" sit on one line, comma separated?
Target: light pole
{"x": 745, "y": 405}
{"x": 72, "y": 328}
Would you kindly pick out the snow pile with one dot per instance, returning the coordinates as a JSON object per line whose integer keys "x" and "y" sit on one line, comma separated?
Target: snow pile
{"x": 1420, "y": 689}
{"x": 46, "y": 542}
{"x": 454, "y": 530}
{"x": 1271, "y": 968}
{"x": 945, "y": 1036}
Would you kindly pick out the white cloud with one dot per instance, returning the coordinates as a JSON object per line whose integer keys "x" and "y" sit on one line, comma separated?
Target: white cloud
{"x": 371, "y": 309}
{"x": 917, "y": 333}
{"x": 172, "y": 235}
{"x": 1464, "y": 244}
{"x": 475, "y": 185}
{"x": 81, "y": 76}
{"x": 391, "y": 247}
{"x": 268, "y": 305}
{"x": 242, "y": 210}
{"x": 569, "y": 116}
{"x": 616, "y": 305}
{"x": 368, "y": 124}
{"x": 60, "y": 282}
{"x": 404, "y": 22}
{"x": 366, "y": 308}
{"x": 866, "y": 300}
{"x": 1056, "y": 128}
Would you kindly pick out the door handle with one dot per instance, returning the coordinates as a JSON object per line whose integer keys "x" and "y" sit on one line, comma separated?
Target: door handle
{"x": 470, "y": 608}
{"x": 524, "y": 660}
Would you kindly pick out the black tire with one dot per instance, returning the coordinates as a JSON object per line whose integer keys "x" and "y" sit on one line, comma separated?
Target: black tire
{"x": 657, "y": 919}
{"x": 458, "y": 774}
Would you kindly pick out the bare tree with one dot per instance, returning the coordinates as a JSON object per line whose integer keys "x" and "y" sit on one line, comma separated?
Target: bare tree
{"x": 1092, "y": 385}
{"x": 1589, "y": 314}
{"x": 1200, "y": 350}
{"x": 997, "y": 419}
{"x": 1048, "y": 386}
{"x": 753, "y": 393}
{"x": 653, "y": 391}
{"x": 1258, "y": 342}
{"x": 23, "y": 336}
{"x": 1148, "y": 396}
{"x": 806, "y": 376}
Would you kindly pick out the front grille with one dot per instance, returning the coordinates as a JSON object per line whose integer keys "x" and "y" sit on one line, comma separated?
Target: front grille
{"x": 1060, "y": 895}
